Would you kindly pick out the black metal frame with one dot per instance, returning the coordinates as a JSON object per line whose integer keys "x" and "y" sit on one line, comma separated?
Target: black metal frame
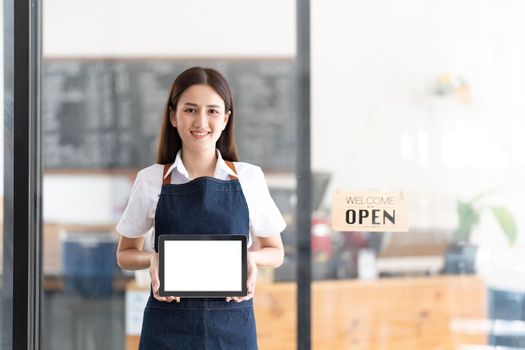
{"x": 22, "y": 278}
{"x": 304, "y": 175}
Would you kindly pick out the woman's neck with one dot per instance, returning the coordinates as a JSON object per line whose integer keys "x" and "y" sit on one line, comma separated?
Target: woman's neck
{"x": 199, "y": 163}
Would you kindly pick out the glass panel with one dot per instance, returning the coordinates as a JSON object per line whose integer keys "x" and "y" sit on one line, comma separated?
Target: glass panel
{"x": 6, "y": 300}
{"x": 444, "y": 82}
{"x": 104, "y": 91}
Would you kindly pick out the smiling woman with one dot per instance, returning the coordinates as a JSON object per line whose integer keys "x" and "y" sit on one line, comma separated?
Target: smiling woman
{"x": 199, "y": 186}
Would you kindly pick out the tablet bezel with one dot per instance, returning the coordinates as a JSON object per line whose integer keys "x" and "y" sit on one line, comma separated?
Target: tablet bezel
{"x": 202, "y": 237}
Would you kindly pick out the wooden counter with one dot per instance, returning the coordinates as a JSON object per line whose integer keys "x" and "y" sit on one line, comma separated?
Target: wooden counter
{"x": 409, "y": 313}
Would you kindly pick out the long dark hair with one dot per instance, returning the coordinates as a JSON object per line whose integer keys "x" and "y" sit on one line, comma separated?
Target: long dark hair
{"x": 169, "y": 140}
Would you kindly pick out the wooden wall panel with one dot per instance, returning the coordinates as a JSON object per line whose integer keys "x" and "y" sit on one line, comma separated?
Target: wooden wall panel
{"x": 411, "y": 313}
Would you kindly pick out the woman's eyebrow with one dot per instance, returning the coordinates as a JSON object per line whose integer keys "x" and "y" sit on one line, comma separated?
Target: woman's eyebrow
{"x": 196, "y": 105}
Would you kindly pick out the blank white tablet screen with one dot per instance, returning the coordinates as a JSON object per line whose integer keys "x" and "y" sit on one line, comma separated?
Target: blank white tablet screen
{"x": 203, "y": 265}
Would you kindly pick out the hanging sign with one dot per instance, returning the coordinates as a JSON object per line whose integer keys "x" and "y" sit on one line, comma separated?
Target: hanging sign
{"x": 371, "y": 211}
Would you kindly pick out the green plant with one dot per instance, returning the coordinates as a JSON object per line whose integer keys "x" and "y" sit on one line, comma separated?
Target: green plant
{"x": 470, "y": 212}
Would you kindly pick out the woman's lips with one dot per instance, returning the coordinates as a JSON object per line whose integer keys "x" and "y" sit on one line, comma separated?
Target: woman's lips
{"x": 200, "y": 134}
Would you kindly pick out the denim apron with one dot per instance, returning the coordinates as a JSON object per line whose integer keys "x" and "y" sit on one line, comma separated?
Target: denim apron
{"x": 205, "y": 205}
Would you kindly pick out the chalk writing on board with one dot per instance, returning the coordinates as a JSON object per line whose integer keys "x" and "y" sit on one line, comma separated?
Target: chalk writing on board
{"x": 107, "y": 113}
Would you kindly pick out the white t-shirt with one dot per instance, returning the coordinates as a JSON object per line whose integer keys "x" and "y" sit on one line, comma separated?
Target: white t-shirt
{"x": 139, "y": 216}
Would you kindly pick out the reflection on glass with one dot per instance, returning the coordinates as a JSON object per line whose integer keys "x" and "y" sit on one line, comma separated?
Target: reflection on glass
{"x": 102, "y": 109}
{"x": 450, "y": 118}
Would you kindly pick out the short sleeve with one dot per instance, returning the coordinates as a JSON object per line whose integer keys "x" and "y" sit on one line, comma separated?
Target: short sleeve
{"x": 265, "y": 218}
{"x": 137, "y": 219}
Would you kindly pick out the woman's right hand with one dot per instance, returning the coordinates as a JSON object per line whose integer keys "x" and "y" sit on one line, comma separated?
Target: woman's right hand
{"x": 155, "y": 283}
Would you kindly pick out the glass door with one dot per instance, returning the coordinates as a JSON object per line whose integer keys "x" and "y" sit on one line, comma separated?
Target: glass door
{"x": 422, "y": 100}
{"x": 107, "y": 71}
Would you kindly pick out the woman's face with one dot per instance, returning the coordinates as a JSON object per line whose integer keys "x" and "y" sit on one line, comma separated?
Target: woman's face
{"x": 199, "y": 118}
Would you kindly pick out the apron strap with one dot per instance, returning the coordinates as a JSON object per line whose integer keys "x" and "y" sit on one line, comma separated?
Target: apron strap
{"x": 232, "y": 167}
{"x": 166, "y": 180}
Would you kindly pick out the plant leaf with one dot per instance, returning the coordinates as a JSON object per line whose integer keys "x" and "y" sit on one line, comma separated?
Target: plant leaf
{"x": 468, "y": 218}
{"x": 507, "y": 223}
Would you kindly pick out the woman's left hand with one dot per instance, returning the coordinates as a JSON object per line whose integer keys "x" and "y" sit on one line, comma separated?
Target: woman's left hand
{"x": 250, "y": 283}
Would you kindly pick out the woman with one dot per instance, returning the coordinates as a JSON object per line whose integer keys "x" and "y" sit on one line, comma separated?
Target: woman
{"x": 197, "y": 151}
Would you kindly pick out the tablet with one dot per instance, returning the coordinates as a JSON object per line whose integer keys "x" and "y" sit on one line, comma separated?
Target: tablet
{"x": 198, "y": 265}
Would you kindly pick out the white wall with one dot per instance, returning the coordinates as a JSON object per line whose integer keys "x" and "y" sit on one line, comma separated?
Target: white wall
{"x": 172, "y": 28}
{"x": 84, "y": 199}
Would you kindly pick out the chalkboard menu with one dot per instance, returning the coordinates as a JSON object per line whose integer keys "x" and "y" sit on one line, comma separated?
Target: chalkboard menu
{"x": 106, "y": 114}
